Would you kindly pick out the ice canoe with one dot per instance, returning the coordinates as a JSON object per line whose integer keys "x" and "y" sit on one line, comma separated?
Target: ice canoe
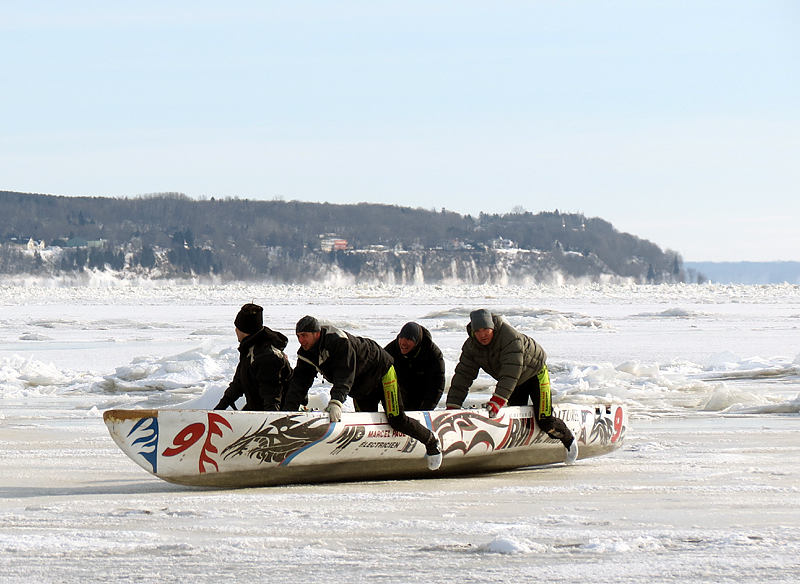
{"x": 233, "y": 449}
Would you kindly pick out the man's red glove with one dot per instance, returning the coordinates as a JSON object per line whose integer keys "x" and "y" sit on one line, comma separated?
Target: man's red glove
{"x": 494, "y": 404}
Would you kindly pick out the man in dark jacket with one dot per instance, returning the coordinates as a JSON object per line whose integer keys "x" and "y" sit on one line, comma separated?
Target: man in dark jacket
{"x": 263, "y": 369}
{"x": 357, "y": 367}
{"x": 518, "y": 363}
{"x": 419, "y": 365}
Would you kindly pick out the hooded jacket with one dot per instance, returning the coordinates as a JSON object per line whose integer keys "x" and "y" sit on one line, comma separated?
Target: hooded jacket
{"x": 510, "y": 358}
{"x": 262, "y": 373}
{"x": 420, "y": 373}
{"x": 353, "y": 365}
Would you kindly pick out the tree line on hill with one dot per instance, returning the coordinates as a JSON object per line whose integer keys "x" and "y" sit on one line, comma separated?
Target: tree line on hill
{"x": 172, "y": 235}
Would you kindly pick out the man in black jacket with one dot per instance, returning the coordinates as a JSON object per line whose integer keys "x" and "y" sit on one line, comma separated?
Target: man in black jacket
{"x": 357, "y": 367}
{"x": 419, "y": 365}
{"x": 263, "y": 369}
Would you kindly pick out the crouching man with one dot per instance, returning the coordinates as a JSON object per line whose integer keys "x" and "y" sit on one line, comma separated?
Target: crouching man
{"x": 518, "y": 364}
{"x": 357, "y": 367}
{"x": 263, "y": 369}
{"x": 420, "y": 367}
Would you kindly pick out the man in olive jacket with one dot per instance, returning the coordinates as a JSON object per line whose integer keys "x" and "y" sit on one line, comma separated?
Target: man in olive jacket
{"x": 419, "y": 365}
{"x": 518, "y": 364}
{"x": 357, "y": 367}
{"x": 263, "y": 368}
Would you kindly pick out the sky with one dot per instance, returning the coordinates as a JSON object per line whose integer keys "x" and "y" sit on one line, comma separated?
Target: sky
{"x": 676, "y": 121}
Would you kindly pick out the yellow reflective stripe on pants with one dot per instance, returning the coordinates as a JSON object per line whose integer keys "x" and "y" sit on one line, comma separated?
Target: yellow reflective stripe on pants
{"x": 545, "y": 405}
{"x": 391, "y": 402}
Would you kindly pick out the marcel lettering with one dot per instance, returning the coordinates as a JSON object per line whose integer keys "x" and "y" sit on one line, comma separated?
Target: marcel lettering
{"x": 384, "y": 434}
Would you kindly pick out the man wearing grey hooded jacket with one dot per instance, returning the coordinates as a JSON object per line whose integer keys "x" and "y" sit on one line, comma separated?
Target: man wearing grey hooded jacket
{"x": 518, "y": 364}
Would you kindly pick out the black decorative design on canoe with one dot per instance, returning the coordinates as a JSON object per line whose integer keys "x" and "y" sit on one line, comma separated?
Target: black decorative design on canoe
{"x": 602, "y": 430}
{"x": 521, "y": 431}
{"x": 349, "y": 435}
{"x": 276, "y": 441}
{"x": 467, "y": 429}
{"x": 409, "y": 445}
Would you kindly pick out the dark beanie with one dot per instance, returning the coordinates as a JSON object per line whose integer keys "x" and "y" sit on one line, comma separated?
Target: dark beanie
{"x": 481, "y": 318}
{"x": 410, "y": 331}
{"x": 249, "y": 320}
{"x": 307, "y": 324}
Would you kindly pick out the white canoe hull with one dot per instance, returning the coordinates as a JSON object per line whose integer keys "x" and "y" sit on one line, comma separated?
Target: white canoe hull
{"x": 235, "y": 449}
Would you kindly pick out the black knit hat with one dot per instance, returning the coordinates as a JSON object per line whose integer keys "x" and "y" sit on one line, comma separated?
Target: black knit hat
{"x": 410, "y": 331}
{"x": 307, "y": 324}
{"x": 249, "y": 320}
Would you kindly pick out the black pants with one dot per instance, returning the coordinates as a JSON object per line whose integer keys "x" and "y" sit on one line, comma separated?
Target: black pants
{"x": 399, "y": 422}
{"x": 554, "y": 427}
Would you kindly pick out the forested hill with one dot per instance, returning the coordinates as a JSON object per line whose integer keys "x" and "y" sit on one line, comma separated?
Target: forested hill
{"x": 172, "y": 235}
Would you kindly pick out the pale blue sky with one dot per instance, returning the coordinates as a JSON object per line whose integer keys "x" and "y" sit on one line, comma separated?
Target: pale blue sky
{"x": 676, "y": 121}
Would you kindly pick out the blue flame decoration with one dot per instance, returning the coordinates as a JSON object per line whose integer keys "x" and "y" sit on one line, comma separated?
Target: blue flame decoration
{"x": 147, "y": 428}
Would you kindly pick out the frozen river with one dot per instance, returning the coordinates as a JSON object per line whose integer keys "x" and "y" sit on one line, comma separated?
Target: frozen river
{"x": 705, "y": 489}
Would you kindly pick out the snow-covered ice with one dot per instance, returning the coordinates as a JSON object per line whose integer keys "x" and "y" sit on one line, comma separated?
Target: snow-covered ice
{"x": 705, "y": 489}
